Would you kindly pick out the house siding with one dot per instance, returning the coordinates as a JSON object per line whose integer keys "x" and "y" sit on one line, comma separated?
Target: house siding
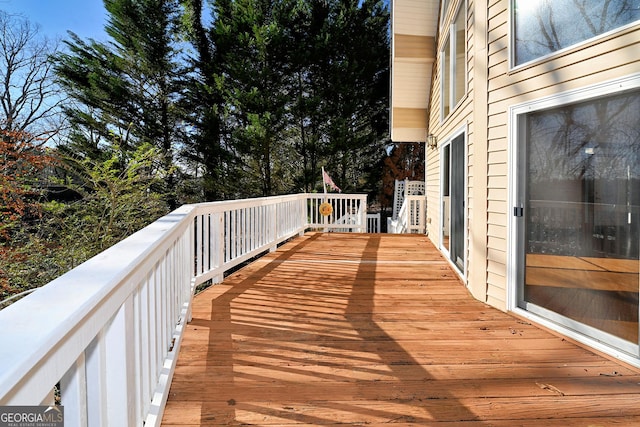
{"x": 460, "y": 117}
{"x": 593, "y": 62}
{"x": 497, "y": 62}
{"x": 493, "y": 87}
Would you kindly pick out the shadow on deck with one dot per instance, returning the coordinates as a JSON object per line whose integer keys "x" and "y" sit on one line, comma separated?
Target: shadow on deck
{"x": 372, "y": 329}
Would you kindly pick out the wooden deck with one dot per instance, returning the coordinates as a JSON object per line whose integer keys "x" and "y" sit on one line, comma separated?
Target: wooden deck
{"x": 374, "y": 330}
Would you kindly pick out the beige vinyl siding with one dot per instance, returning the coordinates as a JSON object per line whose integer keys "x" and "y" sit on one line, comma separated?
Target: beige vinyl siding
{"x": 443, "y": 130}
{"x": 477, "y": 185}
{"x": 409, "y": 117}
{"x": 417, "y": 17}
{"x": 590, "y": 63}
{"x": 460, "y": 117}
{"x": 492, "y": 88}
{"x": 497, "y": 63}
{"x": 409, "y": 110}
{"x": 412, "y": 46}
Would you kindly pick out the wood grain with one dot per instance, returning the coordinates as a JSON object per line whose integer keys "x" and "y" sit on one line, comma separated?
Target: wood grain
{"x": 376, "y": 329}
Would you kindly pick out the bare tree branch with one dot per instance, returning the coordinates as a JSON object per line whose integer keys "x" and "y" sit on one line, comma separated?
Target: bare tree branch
{"x": 30, "y": 100}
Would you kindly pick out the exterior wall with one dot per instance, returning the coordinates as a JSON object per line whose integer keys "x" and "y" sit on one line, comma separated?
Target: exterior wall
{"x": 493, "y": 86}
{"x": 462, "y": 117}
{"x": 496, "y": 146}
{"x": 592, "y": 62}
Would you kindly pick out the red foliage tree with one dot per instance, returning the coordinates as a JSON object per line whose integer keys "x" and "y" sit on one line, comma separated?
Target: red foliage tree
{"x": 21, "y": 166}
{"x": 405, "y": 160}
{"x": 21, "y": 162}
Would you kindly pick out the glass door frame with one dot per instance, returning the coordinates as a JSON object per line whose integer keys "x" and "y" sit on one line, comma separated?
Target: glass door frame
{"x": 591, "y": 336}
{"x": 445, "y": 168}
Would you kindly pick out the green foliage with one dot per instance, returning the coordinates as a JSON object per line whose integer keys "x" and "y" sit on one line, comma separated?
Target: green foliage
{"x": 117, "y": 197}
{"x": 296, "y": 84}
{"x": 127, "y": 91}
{"x": 200, "y": 100}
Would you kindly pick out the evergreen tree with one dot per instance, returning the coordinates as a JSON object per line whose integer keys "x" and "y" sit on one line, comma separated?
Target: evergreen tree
{"x": 253, "y": 70}
{"x": 269, "y": 91}
{"x": 208, "y": 148}
{"x": 341, "y": 51}
{"x": 358, "y": 80}
{"x": 127, "y": 91}
{"x": 292, "y": 85}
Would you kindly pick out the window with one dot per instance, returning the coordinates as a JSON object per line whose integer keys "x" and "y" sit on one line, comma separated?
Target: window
{"x": 542, "y": 27}
{"x": 453, "y": 70}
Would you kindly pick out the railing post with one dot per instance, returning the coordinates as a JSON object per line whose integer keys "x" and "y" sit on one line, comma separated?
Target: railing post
{"x": 423, "y": 215}
{"x": 198, "y": 244}
{"x": 219, "y": 244}
{"x": 273, "y": 215}
{"x": 302, "y": 211}
{"x": 363, "y": 215}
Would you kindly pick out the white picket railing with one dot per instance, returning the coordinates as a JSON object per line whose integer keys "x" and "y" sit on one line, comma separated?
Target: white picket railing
{"x": 349, "y": 213}
{"x": 411, "y": 218}
{"x": 374, "y": 221}
{"x": 106, "y": 335}
{"x": 405, "y": 188}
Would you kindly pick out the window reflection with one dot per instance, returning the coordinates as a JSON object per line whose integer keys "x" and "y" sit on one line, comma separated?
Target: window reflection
{"x": 545, "y": 26}
{"x": 453, "y": 67}
{"x": 583, "y": 212}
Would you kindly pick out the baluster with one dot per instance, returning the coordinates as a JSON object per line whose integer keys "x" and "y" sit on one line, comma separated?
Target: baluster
{"x": 73, "y": 390}
{"x": 118, "y": 367}
{"x": 144, "y": 310}
{"x": 96, "y": 390}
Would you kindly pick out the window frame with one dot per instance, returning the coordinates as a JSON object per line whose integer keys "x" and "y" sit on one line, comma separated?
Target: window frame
{"x": 541, "y": 59}
{"x": 449, "y": 59}
{"x": 630, "y": 353}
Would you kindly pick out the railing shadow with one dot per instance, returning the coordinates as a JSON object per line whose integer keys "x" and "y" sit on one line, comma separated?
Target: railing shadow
{"x": 303, "y": 345}
{"x": 366, "y": 330}
{"x": 439, "y": 406}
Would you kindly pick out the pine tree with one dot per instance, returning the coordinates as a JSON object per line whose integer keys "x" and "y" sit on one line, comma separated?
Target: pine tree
{"x": 127, "y": 91}
{"x": 341, "y": 51}
{"x": 208, "y": 149}
{"x": 253, "y": 71}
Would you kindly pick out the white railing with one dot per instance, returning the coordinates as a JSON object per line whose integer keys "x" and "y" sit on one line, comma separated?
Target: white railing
{"x": 411, "y": 218}
{"x": 374, "y": 223}
{"x": 349, "y": 212}
{"x": 106, "y": 335}
{"x": 404, "y": 188}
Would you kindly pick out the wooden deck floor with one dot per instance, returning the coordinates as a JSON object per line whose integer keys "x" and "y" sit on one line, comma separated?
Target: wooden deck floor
{"x": 374, "y": 330}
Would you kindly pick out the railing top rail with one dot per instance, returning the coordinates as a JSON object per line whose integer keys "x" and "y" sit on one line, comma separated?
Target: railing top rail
{"x": 63, "y": 306}
{"x": 46, "y": 331}
{"x": 226, "y": 205}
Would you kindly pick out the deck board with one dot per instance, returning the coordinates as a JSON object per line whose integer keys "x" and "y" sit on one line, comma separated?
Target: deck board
{"x": 376, "y": 329}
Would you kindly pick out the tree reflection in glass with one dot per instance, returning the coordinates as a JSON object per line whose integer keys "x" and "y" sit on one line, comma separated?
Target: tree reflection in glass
{"x": 582, "y": 212}
{"x": 545, "y": 26}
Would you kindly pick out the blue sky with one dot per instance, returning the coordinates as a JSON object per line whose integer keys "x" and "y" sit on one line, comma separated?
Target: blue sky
{"x": 84, "y": 17}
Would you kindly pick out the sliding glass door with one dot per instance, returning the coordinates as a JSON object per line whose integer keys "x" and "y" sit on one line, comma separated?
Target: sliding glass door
{"x": 453, "y": 174}
{"x": 578, "y": 216}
